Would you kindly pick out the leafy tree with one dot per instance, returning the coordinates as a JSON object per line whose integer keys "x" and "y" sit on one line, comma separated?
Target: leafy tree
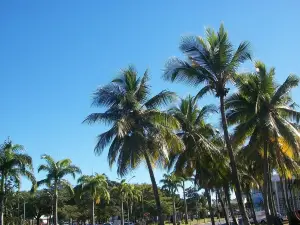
{"x": 97, "y": 187}
{"x": 38, "y": 205}
{"x": 265, "y": 113}
{"x": 213, "y": 62}
{"x": 139, "y": 130}
{"x": 56, "y": 171}
{"x": 13, "y": 165}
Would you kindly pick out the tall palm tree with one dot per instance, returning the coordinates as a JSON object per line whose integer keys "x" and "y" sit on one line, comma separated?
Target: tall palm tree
{"x": 14, "y": 164}
{"x": 139, "y": 130}
{"x": 56, "y": 171}
{"x": 171, "y": 183}
{"x": 195, "y": 134}
{"x": 212, "y": 62}
{"x": 264, "y": 112}
{"x": 124, "y": 190}
{"x": 96, "y": 185}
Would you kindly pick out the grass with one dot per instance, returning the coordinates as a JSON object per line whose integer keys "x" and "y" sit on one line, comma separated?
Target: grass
{"x": 196, "y": 222}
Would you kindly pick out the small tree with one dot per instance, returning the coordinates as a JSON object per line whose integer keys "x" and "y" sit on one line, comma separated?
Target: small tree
{"x": 56, "y": 171}
{"x": 13, "y": 164}
{"x": 96, "y": 185}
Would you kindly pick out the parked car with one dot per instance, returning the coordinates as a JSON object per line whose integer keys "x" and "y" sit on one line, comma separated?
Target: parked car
{"x": 108, "y": 223}
{"x": 128, "y": 223}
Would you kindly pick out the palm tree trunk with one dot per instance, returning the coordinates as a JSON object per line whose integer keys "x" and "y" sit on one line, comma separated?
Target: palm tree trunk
{"x": 174, "y": 210}
{"x": 185, "y": 205}
{"x": 122, "y": 211}
{"x": 271, "y": 197}
{"x": 2, "y": 201}
{"x": 227, "y": 198}
{"x": 291, "y": 194}
{"x": 265, "y": 185}
{"x": 155, "y": 191}
{"x": 252, "y": 208}
{"x": 207, "y": 193}
{"x": 287, "y": 209}
{"x": 235, "y": 177}
{"x": 93, "y": 212}
{"x": 223, "y": 207}
{"x": 55, "y": 219}
{"x": 128, "y": 210}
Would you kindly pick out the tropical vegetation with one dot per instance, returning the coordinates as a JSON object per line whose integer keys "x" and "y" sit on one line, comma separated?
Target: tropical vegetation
{"x": 257, "y": 136}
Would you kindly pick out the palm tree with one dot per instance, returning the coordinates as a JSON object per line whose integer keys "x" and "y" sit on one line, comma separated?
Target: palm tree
{"x": 56, "y": 171}
{"x": 171, "y": 183}
{"x": 183, "y": 179}
{"x": 134, "y": 196}
{"x": 196, "y": 135}
{"x": 96, "y": 185}
{"x": 13, "y": 164}
{"x": 264, "y": 112}
{"x": 139, "y": 130}
{"x": 124, "y": 190}
{"x": 212, "y": 62}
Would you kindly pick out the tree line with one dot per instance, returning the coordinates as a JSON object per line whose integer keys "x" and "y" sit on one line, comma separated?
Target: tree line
{"x": 258, "y": 134}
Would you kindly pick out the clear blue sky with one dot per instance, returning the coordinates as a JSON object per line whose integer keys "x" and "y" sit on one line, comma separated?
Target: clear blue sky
{"x": 54, "y": 54}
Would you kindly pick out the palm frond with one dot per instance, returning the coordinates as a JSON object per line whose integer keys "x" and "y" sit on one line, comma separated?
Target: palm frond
{"x": 289, "y": 83}
{"x": 162, "y": 98}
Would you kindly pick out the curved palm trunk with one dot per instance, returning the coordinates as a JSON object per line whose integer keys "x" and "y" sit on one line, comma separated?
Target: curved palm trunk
{"x": 211, "y": 213}
{"x": 235, "y": 177}
{"x": 174, "y": 211}
{"x": 185, "y": 205}
{"x": 93, "y": 212}
{"x": 155, "y": 191}
{"x": 223, "y": 207}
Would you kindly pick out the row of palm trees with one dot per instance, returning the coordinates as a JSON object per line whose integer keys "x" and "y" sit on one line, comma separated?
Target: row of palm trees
{"x": 14, "y": 164}
{"x": 261, "y": 113}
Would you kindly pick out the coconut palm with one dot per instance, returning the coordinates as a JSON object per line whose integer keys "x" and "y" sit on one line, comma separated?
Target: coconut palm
{"x": 56, "y": 171}
{"x": 96, "y": 185}
{"x": 195, "y": 134}
{"x": 14, "y": 164}
{"x": 171, "y": 183}
{"x": 139, "y": 130}
{"x": 212, "y": 62}
{"x": 264, "y": 112}
{"x": 123, "y": 190}
{"x": 134, "y": 197}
